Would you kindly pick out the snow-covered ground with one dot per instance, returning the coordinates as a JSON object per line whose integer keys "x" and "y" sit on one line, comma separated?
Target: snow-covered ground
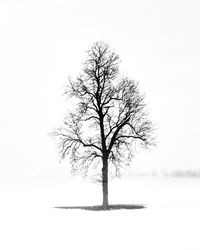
{"x": 170, "y": 221}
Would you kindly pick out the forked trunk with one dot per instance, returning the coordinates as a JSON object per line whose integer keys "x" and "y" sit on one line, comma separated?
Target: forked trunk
{"x": 105, "y": 184}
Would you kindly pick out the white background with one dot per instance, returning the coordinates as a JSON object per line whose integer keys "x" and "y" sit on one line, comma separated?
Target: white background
{"x": 41, "y": 43}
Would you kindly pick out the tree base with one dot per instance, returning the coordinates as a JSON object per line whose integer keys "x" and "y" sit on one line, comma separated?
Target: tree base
{"x": 105, "y": 207}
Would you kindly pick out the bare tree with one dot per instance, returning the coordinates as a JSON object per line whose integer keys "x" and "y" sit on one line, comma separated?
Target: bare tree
{"x": 109, "y": 118}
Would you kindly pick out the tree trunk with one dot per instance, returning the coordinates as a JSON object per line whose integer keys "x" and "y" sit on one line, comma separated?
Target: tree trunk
{"x": 105, "y": 184}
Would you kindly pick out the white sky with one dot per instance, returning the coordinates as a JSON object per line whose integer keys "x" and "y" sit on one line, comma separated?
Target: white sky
{"x": 43, "y": 41}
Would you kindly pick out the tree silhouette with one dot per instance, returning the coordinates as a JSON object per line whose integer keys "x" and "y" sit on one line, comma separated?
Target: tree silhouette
{"x": 107, "y": 121}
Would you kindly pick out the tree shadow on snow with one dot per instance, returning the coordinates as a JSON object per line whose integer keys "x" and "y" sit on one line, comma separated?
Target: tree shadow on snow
{"x": 100, "y": 208}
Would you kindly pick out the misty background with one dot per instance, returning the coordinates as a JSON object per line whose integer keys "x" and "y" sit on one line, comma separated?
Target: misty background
{"x": 43, "y": 42}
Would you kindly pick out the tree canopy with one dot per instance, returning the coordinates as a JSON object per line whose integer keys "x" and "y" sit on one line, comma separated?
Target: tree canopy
{"x": 109, "y": 117}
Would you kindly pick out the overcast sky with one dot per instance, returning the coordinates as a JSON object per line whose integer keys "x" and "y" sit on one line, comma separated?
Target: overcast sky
{"x": 44, "y": 41}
